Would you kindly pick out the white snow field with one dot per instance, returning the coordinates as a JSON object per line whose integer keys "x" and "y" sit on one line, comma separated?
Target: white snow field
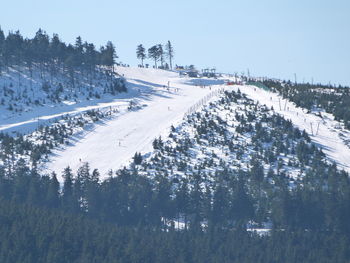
{"x": 324, "y": 131}
{"x": 111, "y": 145}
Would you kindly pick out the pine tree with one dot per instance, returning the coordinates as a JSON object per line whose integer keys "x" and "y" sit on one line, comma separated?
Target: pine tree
{"x": 137, "y": 158}
{"x": 2, "y": 42}
{"x": 41, "y": 41}
{"x": 34, "y": 196}
{"x": 169, "y": 53}
{"x": 108, "y": 55}
{"x": 95, "y": 176}
{"x": 53, "y": 192}
{"x": 79, "y": 51}
{"x": 141, "y": 53}
{"x": 68, "y": 201}
{"x": 241, "y": 206}
{"x": 81, "y": 182}
{"x": 220, "y": 205}
{"x": 160, "y": 52}
{"x": 182, "y": 200}
{"x": 153, "y": 53}
{"x": 196, "y": 203}
{"x": 93, "y": 194}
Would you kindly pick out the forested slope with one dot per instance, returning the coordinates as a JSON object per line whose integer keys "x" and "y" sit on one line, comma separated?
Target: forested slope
{"x": 233, "y": 166}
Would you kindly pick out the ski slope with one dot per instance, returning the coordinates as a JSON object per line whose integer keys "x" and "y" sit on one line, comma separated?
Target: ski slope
{"x": 324, "y": 131}
{"x": 111, "y": 145}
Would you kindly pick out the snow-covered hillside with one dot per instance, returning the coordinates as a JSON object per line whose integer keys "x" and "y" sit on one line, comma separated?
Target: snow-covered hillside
{"x": 113, "y": 143}
{"x": 32, "y": 96}
{"x": 156, "y": 99}
{"x": 323, "y": 130}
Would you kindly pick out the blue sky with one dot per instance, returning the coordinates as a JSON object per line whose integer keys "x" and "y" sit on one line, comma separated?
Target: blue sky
{"x": 274, "y": 38}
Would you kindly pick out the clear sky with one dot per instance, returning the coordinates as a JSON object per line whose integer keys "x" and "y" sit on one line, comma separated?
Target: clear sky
{"x": 274, "y": 38}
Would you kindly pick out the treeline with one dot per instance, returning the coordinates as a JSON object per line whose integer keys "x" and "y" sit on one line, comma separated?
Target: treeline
{"x": 33, "y": 235}
{"x": 118, "y": 224}
{"x": 334, "y": 100}
{"x": 157, "y": 53}
{"x": 44, "y": 70}
{"x": 130, "y": 199}
{"x": 15, "y": 50}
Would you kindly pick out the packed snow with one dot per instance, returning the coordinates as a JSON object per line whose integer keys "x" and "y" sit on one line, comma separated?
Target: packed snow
{"x": 165, "y": 98}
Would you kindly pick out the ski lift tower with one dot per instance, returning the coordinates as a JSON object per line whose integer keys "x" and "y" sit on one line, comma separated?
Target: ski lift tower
{"x": 213, "y": 72}
{"x": 206, "y": 72}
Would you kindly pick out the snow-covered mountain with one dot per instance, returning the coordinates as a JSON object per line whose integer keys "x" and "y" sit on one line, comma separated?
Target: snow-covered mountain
{"x": 106, "y": 132}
